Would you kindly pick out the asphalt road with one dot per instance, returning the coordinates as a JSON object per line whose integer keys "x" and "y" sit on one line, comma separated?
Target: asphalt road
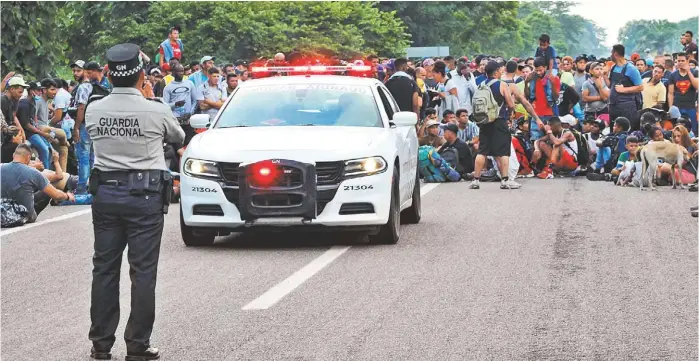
{"x": 564, "y": 269}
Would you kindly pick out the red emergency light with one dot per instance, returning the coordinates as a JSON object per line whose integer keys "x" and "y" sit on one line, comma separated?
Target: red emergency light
{"x": 263, "y": 174}
{"x": 310, "y": 69}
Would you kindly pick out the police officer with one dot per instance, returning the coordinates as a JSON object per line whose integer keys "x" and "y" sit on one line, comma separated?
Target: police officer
{"x": 129, "y": 183}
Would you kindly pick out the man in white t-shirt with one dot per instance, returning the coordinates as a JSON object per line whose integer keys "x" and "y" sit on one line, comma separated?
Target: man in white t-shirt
{"x": 60, "y": 106}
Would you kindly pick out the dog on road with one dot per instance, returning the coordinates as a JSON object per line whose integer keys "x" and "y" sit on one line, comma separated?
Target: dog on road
{"x": 670, "y": 153}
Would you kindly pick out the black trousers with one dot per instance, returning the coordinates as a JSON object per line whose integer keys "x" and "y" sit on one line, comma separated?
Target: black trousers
{"x": 629, "y": 110}
{"x": 120, "y": 219}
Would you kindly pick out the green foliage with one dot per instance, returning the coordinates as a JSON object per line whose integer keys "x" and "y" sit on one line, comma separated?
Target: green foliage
{"x": 232, "y": 30}
{"x": 660, "y": 36}
{"x": 507, "y": 28}
{"x": 30, "y": 44}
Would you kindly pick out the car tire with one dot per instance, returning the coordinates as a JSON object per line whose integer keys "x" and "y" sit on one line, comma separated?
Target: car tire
{"x": 413, "y": 214}
{"x": 389, "y": 233}
{"x": 193, "y": 237}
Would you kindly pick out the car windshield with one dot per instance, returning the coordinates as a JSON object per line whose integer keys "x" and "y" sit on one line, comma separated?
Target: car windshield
{"x": 301, "y": 105}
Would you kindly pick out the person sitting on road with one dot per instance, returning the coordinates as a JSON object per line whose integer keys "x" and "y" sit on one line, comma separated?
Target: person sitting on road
{"x": 431, "y": 127}
{"x": 609, "y": 148}
{"x": 632, "y": 145}
{"x": 463, "y": 162}
{"x": 27, "y": 186}
{"x": 559, "y": 147}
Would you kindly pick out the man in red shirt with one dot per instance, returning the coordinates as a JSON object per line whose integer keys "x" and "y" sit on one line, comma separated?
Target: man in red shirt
{"x": 544, "y": 96}
{"x": 172, "y": 47}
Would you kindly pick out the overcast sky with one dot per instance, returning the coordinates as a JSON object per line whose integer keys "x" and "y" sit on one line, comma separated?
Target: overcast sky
{"x": 612, "y": 15}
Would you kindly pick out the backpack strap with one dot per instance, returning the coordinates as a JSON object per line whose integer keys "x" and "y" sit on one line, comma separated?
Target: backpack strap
{"x": 567, "y": 144}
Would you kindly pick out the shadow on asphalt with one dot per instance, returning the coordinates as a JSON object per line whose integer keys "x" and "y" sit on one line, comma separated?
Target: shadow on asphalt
{"x": 288, "y": 240}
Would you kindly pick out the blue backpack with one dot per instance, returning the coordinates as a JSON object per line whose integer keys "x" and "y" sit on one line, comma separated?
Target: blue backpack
{"x": 433, "y": 168}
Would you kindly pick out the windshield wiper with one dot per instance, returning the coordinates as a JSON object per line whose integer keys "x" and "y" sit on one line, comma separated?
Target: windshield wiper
{"x": 235, "y": 126}
{"x": 307, "y": 125}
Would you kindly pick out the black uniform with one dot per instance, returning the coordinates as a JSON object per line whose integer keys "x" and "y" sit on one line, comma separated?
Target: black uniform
{"x": 130, "y": 185}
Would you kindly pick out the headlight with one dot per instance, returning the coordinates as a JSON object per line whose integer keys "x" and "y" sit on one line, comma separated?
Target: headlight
{"x": 201, "y": 168}
{"x": 365, "y": 166}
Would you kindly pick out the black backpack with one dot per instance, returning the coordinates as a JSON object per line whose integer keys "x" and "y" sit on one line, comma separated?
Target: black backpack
{"x": 98, "y": 92}
{"x": 583, "y": 153}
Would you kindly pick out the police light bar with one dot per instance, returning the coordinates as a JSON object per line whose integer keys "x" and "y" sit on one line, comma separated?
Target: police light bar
{"x": 309, "y": 69}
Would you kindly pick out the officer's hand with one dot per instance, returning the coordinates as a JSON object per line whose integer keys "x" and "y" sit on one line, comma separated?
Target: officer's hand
{"x": 71, "y": 197}
{"x": 76, "y": 135}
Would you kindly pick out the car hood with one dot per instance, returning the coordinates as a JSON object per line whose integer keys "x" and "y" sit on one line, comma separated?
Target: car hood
{"x": 302, "y": 143}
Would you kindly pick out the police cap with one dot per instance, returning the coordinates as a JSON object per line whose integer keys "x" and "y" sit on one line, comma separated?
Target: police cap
{"x": 124, "y": 60}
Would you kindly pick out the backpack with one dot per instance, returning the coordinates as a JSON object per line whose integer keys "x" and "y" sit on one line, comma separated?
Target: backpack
{"x": 583, "y": 154}
{"x": 98, "y": 92}
{"x": 433, "y": 168}
{"x": 13, "y": 214}
{"x": 485, "y": 108}
{"x": 451, "y": 156}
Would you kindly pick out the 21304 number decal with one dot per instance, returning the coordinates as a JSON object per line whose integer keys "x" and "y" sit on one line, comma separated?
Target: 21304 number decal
{"x": 359, "y": 188}
{"x": 204, "y": 190}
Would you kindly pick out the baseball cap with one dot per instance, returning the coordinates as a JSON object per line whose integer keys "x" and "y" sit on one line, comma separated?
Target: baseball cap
{"x": 206, "y": 58}
{"x": 79, "y": 63}
{"x": 428, "y": 62}
{"x": 452, "y": 127}
{"x": 17, "y": 81}
{"x": 569, "y": 119}
{"x": 391, "y": 65}
{"x": 431, "y": 122}
{"x": 155, "y": 71}
{"x": 35, "y": 85}
{"x": 240, "y": 62}
{"x": 92, "y": 66}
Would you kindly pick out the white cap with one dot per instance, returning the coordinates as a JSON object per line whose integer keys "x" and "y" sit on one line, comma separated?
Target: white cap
{"x": 569, "y": 119}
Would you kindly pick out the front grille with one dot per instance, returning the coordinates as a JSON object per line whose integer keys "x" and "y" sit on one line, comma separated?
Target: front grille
{"x": 207, "y": 210}
{"x": 229, "y": 171}
{"x": 329, "y": 173}
{"x": 232, "y": 195}
{"x": 277, "y": 200}
{"x": 323, "y": 197}
{"x": 356, "y": 208}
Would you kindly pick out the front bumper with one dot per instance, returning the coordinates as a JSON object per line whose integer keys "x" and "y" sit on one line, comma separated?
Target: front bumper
{"x": 354, "y": 203}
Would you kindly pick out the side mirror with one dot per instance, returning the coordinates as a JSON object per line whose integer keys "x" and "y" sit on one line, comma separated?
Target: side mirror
{"x": 199, "y": 121}
{"x": 404, "y": 119}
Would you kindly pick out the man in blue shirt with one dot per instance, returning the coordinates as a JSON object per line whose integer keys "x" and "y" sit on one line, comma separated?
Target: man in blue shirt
{"x": 626, "y": 85}
{"x": 548, "y": 52}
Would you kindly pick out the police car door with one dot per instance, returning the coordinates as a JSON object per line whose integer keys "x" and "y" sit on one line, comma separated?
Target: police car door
{"x": 404, "y": 146}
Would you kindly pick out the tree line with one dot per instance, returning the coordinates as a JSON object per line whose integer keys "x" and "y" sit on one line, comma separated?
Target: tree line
{"x": 40, "y": 37}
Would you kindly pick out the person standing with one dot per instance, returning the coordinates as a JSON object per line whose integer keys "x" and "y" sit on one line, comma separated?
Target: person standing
{"x": 172, "y": 47}
{"x": 625, "y": 99}
{"x": 131, "y": 194}
{"x": 682, "y": 90}
{"x": 494, "y": 138}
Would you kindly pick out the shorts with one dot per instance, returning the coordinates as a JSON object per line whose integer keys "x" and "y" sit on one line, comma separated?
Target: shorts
{"x": 495, "y": 139}
{"x": 567, "y": 161}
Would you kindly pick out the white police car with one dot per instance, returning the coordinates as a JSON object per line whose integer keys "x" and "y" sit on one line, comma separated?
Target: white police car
{"x": 314, "y": 152}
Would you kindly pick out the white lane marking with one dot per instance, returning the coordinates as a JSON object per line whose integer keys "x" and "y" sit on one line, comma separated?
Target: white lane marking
{"x": 50, "y": 220}
{"x": 276, "y": 293}
{"x": 426, "y": 187}
{"x": 283, "y": 288}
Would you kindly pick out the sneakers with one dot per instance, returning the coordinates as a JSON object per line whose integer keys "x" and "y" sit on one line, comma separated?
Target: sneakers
{"x": 475, "y": 184}
{"x": 510, "y": 184}
{"x": 528, "y": 175}
{"x": 546, "y": 174}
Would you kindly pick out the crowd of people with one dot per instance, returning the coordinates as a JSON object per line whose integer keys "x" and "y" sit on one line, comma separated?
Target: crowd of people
{"x": 483, "y": 119}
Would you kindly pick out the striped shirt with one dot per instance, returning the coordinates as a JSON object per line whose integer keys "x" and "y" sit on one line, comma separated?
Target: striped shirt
{"x": 469, "y": 132}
